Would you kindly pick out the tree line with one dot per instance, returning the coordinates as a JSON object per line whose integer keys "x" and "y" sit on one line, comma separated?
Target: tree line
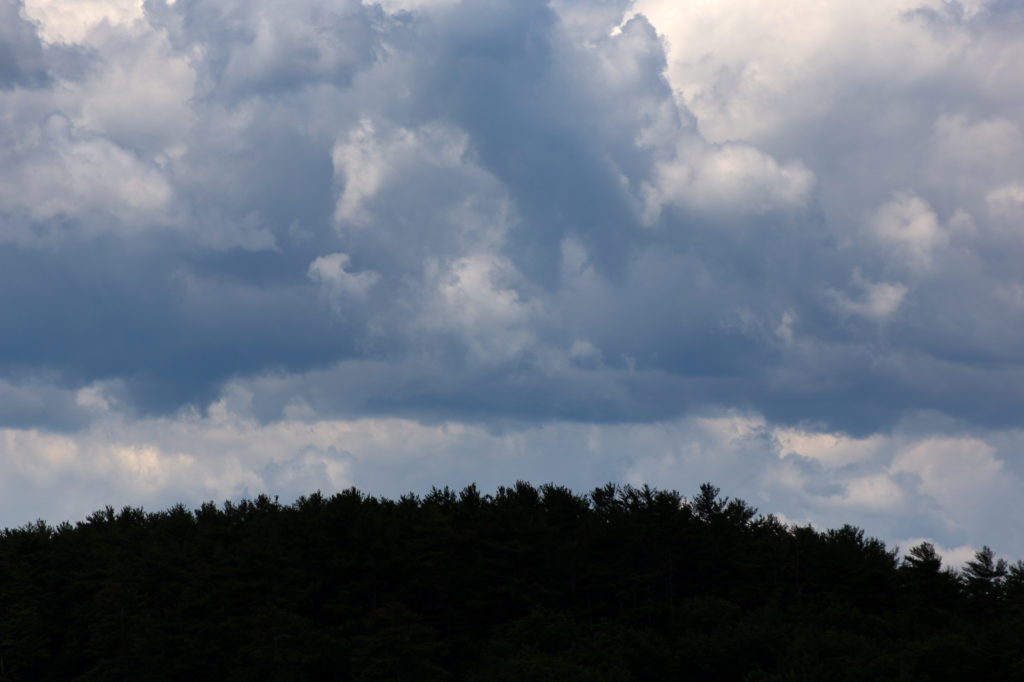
{"x": 528, "y": 583}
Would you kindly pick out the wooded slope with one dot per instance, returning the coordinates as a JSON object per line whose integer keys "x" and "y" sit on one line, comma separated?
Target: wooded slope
{"x": 526, "y": 584}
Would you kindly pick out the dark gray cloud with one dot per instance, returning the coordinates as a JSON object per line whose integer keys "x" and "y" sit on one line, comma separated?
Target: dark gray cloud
{"x": 169, "y": 325}
{"x": 505, "y": 210}
{"x": 22, "y": 61}
{"x": 246, "y": 248}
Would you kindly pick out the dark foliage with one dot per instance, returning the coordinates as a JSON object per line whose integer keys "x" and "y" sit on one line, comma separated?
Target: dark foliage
{"x": 526, "y": 584}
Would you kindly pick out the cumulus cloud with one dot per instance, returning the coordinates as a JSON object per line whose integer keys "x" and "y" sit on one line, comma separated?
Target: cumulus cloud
{"x": 874, "y": 300}
{"x": 365, "y": 163}
{"x": 962, "y": 475}
{"x": 908, "y": 229}
{"x": 830, "y": 449}
{"x": 1006, "y": 203}
{"x": 728, "y": 178}
{"x": 65, "y": 173}
{"x": 72, "y": 22}
{"x": 331, "y": 272}
{"x": 474, "y": 297}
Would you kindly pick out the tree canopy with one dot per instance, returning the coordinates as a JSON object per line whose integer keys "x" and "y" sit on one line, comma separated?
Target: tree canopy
{"x": 531, "y": 582}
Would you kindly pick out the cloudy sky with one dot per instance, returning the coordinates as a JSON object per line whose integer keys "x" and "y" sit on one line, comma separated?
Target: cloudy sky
{"x": 248, "y": 246}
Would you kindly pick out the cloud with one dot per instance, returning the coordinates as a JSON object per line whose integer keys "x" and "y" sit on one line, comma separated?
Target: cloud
{"x": 830, "y": 449}
{"x": 365, "y": 164}
{"x": 139, "y": 92}
{"x": 474, "y": 299}
{"x": 874, "y": 493}
{"x": 426, "y": 169}
{"x": 331, "y": 272}
{"x": 729, "y": 178}
{"x": 72, "y": 22}
{"x": 71, "y": 174}
{"x": 963, "y": 476}
{"x": 22, "y": 59}
{"x": 876, "y": 300}
{"x": 1006, "y": 202}
{"x": 909, "y": 230}
{"x": 581, "y": 225}
{"x": 947, "y": 489}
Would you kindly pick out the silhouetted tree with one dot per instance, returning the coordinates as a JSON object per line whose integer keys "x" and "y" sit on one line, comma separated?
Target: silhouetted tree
{"x": 627, "y": 582}
{"x": 984, "y": 574}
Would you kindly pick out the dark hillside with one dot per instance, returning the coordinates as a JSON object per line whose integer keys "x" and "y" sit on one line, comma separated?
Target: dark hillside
{"x": 526, "y": 584}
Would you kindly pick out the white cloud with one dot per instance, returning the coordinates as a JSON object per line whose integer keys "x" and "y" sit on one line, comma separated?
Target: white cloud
{"x": 63, "y": 171}
{"x": 684, "y": 453}
{"x": 831, "y": 449}
{"x": 874, "y": 493}
{"x": 71, "y": 21}
{"x": 814, "y": 82}
{"x": 1006, "y": 203}
{"x": 876, "y": 300}
{"x": 362, "y": 169}
{"x": 962, "y": 475}
{"x": 140, "y": 96}
{"x": 731, "y": 178}
{"x": 332, "y": 274}
{"x": 909, "y": 229}
{"x": 410, "y": 5}
{"x": 972, "y": 151}
{"x": 875, "y": 482}
{"x": 476, "y": 298}
{"x": 92, "y": 398}
{"x": 37, "y": 456}
{"x": 747, "y": 69}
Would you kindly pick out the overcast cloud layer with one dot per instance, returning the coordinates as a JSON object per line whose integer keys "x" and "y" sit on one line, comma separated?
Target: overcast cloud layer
{"x": 251, "y": 247}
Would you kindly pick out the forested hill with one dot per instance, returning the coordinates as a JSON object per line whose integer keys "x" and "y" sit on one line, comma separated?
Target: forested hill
{"x": 526, "y": 584}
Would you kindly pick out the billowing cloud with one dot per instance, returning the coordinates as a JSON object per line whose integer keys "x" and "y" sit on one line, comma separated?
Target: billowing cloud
{"x": 330, "y": 271}
{"x": 874, "y": 300}
{"x": 72, "y": 175}
{"x": 728, "y": 178}
{"x": 726, "y": 240}
{"x": 908, "y": 230}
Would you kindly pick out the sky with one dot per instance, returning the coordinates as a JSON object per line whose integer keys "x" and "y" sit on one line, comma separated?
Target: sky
{"x": 251, "y": 247}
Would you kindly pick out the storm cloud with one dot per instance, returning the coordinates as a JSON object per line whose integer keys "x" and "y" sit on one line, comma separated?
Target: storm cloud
{"x": 776, "y": 247}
